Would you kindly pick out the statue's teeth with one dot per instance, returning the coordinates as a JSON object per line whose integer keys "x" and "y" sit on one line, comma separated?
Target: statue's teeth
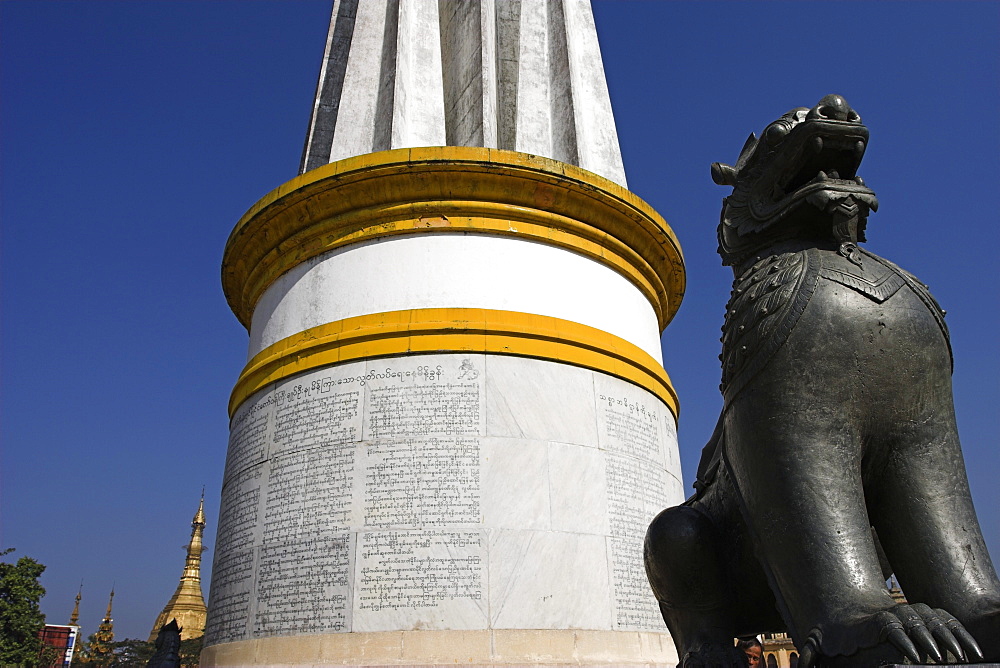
{"x": 816, "y": 144}
{"x": 860, "y": 181}
{"x": 821, "y": 176}
{"x": 859, "y": 149}
{"x": 834, "y": 175}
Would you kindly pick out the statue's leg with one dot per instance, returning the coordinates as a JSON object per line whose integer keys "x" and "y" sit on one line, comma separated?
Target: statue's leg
{"x": 923, "y": 511}
{"x": 683, "y": 562}
{"x": 796, "y": 462}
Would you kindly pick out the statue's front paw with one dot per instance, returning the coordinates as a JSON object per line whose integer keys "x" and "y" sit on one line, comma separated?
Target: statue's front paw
{"x": 916, "y": 631}
{"x": 714, "y": 656}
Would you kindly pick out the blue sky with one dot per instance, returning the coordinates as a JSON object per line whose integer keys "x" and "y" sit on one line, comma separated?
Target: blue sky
{"x": 133, "y": 135}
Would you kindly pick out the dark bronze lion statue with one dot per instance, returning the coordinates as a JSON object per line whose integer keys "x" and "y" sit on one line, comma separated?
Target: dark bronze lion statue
{"x": 836, "y": 459}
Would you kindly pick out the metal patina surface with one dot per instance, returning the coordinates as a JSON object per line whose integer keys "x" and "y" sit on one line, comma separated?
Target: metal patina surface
{"x": 836, "y": 460}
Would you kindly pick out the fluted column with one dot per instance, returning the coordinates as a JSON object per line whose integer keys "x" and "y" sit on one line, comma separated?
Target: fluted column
{"x": 518, "y": 75}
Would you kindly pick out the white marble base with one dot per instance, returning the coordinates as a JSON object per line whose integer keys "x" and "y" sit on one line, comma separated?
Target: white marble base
{"x": 441, "y": 493}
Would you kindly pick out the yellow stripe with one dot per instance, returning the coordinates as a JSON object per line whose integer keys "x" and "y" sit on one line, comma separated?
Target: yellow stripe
{"x": 452, "y": 189}
{"x": 442, "y": 330}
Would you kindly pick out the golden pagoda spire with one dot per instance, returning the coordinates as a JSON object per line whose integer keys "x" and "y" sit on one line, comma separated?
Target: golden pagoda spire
{"x": 187, "y": 605}
{"x": 101, "y": 648}
{"x": 75, "y": 617}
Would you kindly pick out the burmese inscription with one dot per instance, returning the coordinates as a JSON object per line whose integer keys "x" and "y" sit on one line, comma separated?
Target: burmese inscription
{"x": 304, "y": 585}
{"x": 315, "y": 414}
{"x": 248, "y": 436}
{"x": 354, "y": 499}
{"x": 636, "y": 485}
{"x": 421, "y": 410}
{"x": 422, "y": 482}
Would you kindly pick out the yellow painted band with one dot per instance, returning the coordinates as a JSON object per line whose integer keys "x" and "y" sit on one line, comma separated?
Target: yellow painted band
{"x": 452, "y": 189}
{"x": 442, "y": 330}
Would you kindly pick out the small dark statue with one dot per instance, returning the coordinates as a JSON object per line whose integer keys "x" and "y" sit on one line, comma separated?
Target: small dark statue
{"x": 836, "y": 459}
{"x": 168, "y": 647}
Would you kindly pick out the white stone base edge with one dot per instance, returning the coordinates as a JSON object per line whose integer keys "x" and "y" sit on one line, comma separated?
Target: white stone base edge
{"x": 502, "y": 647}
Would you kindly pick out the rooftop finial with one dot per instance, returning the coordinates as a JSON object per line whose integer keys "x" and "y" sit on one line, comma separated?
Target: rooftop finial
{"x": 75, "y": 617}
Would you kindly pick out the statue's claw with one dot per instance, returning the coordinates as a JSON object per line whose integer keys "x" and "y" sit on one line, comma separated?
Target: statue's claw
{"x": 942, "y": 634}
{"x": 897, "y": 637}
{"x": 917, "y": 632}
{"x": 917, "y": 628}
{"x": 968, "y": 643}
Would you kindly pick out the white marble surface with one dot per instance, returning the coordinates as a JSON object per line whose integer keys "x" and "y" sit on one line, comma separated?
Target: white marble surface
{"x": 548, "y": 580}
{"x": 454, "y": 271}
{"x": 545, "y": 404}
{"x": 578, "y": 484}
{"x": 434, "y": 492}
{"x": 524, "y": 76}
{"x": 516, "y": 488}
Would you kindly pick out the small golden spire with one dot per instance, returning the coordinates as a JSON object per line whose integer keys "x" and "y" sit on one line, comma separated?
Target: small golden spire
{"x": 75, "y": 617}
{"x": 187, "y": 605}
{"x": 199, "y": 517}
{"x": 101, "y": 649}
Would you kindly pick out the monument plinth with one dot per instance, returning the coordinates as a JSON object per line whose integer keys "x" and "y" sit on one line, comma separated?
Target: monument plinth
{"x": 454, "y": 424}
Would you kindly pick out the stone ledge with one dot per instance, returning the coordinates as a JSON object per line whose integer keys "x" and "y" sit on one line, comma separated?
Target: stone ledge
{"x": 507, "y": 648}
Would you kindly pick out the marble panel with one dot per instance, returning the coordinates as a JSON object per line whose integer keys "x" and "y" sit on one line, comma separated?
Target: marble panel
{"x": 427, "y": 395}
{"x": 634, "y": 606}
{"x": 431, "y": 579}
{"x": 250, "y": 433}
{"x": 318, "y": 409}
{"x": 241, "y": 511}
{"x": 304, "y": 583}
{"x": 234, "y": 567}
{"x": 578, "y": 484}
{"x": 548, "y": 580}
{"x": 630, "y": 420}
{"x": 534, "y": 399}
{"x": 668, "y": 428}
{"x": 230, "y": 599}
{"x": 421, "y": 483}
{"x": 516, "y": 488}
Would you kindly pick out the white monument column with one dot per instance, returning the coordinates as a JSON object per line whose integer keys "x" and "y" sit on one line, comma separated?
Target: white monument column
{"x": 454, "y": 424}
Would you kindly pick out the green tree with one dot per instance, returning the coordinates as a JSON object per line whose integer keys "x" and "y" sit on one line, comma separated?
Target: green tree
{"x": 132, "y": 653}
{"x": 190, "y": 651}
{"x": 20, "y": 617}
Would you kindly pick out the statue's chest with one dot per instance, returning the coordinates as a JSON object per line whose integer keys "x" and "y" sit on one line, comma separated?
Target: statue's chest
{"x": 864, "y": 274}
{"x": 832, "y": 296}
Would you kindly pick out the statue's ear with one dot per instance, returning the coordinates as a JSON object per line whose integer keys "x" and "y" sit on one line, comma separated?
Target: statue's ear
{"x": 723, "y": 175}
{"x": 748, "y": 148}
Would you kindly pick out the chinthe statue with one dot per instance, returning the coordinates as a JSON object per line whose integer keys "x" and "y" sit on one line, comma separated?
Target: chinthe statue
{"x": 836, "y": 459}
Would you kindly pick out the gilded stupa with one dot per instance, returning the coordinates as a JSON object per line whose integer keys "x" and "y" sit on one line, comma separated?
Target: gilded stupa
{"x": 74, "y": 617}
{"x": 187, "y": 605}
{"x": 102, "y": 645}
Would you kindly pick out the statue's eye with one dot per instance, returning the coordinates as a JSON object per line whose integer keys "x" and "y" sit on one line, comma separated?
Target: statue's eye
{"x": 775, "y": 133}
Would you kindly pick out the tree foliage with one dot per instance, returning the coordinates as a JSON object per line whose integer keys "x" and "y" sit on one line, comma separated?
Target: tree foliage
{"x": 20, "y": 616}
{"x": 128, "y": 653}
{"x": 190, "y": 651}
{"x": 132, "y": 653}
